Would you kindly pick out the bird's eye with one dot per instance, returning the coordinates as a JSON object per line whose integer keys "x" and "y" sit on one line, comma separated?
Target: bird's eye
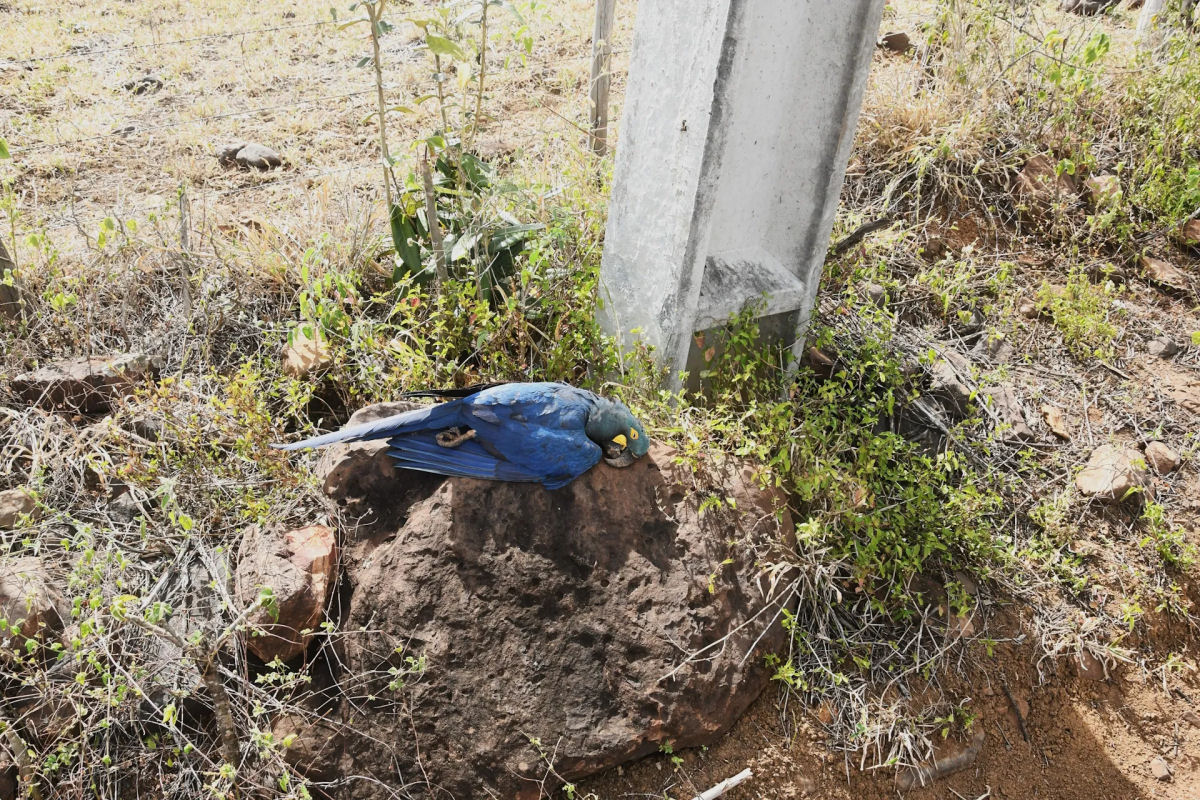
{"x": 633, "y": 434}
{"x": 619, "y": 439}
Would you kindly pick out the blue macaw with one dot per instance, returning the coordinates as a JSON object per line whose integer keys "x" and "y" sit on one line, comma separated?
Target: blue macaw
{"x": 547, "y": 433}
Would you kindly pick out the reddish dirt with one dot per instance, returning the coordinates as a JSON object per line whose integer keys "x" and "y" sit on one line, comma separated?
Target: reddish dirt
{"x": 1088, "y": 738}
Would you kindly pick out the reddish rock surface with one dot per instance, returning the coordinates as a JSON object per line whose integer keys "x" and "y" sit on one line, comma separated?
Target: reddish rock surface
{"x": 1113, "y": 473}
{"x": 27, "y": 600}
{"x": 88, "y": 384}
{"x": 300, "y": 568}
{"x": 602, "y": 619}
{"x": 1040, "y": 181}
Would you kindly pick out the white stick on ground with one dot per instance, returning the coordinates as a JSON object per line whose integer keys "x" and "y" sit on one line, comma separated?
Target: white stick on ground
{"x": 724, "y": 786}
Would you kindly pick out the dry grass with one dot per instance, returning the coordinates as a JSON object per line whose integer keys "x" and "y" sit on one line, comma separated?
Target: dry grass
{"x": 294, "y": 88}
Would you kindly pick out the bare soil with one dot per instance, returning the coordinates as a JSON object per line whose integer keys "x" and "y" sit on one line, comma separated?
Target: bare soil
{"x": 1079, "y": 738}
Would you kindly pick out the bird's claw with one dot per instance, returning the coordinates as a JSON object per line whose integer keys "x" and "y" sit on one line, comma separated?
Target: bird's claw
{"x": 453, "y": 437}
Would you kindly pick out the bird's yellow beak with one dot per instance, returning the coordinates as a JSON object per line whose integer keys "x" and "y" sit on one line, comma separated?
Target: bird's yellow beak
{"x": 621, "y": 440}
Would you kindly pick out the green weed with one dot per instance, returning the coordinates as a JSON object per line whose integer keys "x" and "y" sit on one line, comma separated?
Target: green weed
{"x": 1084, "y": 313}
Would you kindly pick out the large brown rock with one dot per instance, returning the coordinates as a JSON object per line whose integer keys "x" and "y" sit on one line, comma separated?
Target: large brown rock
{"x": 1161, "y": 458}
{"x": 28, "y": 601}
{"x": 1189, "y": 232}
{"x": 88, "y": 384}
{"x": 300, "y": 568}
{"x": 306, "y": 354}
{"x": 1165, "y": 274}
{"x": 313, "y": 744}
{"x": 1114, "y": 473}
{"x": 16, "y": 505}
{"x": 1103, "y": 190}
{"x": 1010, "y": 415}
{"x": 1041, "y": 182}
{"x": 600, "y": 620}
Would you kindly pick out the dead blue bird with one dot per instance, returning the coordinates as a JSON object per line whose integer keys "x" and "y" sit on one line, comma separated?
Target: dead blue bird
{"x": 547, "y": 433}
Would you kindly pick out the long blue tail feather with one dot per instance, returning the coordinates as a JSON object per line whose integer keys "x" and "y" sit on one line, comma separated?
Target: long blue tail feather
{"x": 437, "y": 416}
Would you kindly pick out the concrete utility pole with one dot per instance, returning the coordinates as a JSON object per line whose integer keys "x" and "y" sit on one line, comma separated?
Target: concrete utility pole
{"x": 738, "y": 121}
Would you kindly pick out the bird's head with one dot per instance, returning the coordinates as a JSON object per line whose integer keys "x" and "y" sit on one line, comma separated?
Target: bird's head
{"x": 617, "y": 431}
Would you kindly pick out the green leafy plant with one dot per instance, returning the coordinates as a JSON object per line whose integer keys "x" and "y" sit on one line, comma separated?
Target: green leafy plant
{"x": 1084, "y": 313}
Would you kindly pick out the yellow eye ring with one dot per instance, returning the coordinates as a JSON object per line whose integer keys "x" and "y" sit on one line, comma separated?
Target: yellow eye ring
{"x": 633, "y": 434}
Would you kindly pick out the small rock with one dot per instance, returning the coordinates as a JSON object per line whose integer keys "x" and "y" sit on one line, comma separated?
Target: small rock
{"x": 949, "y": 758}
{"x": 1160, "y": 769}
{"x": 26, "y": 600}
{"x": 258, "y": 156}
{"x": 1191, "y": 718}
{"x": 874, "y": 294}
{"x": 959, "y": 626}
{"x": 126, "y": 508}
{"x": 1039, "y": 180}
{"x": 1162, "y": 347}
{"x": 1165, "y": 274}
{"x": 1008, "y": 409}
{"x": 306, "y": 354}
{"x": 300, "y": 567}
{"x": 994, "y": 346}
{"x": 493, "y": 149}
{"x": 1055, "y": 421}
{"x": 248, "y": 155}
{"x": 15, "y": 504}
{"x": 1086, "y": 8}
{"x": 1103, "y": 190}
{"x": 1189, "y": 232}
{"x": 315, "y": 744}
{"x": 896, "y": 42}
{"x": 227, "y": 155}
{"x": 970, "y": 321}
{"x": 147, "y": 84}
{"x": 1090, "y": 667}
{"x": 948, "y": 374}
{"x": 1028, "y": 310}
{"x": 87, "y": 385}
{"x": 1113, "y": 473}
{"x": 1161, "y": 458}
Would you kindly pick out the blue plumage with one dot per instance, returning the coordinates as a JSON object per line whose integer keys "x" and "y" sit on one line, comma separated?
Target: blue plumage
{"x": 548, "y": 433}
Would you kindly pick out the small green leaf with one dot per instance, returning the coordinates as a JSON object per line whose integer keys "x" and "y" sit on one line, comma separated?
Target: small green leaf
{"x": 4, "y": 149}
{"x": 362, "y": 62}
{"x": 444, "y": 47}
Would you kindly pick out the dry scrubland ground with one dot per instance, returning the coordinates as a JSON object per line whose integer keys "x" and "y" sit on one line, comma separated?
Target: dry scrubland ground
{"x": 973, "y": 593}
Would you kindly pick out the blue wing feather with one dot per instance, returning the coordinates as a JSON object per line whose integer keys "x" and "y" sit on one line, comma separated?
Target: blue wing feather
{"x": 467, "y": 460}
{"x": 531, "y": 432}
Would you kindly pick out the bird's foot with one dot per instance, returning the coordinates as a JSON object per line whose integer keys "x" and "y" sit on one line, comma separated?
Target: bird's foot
{"x": 453, "y": 437}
